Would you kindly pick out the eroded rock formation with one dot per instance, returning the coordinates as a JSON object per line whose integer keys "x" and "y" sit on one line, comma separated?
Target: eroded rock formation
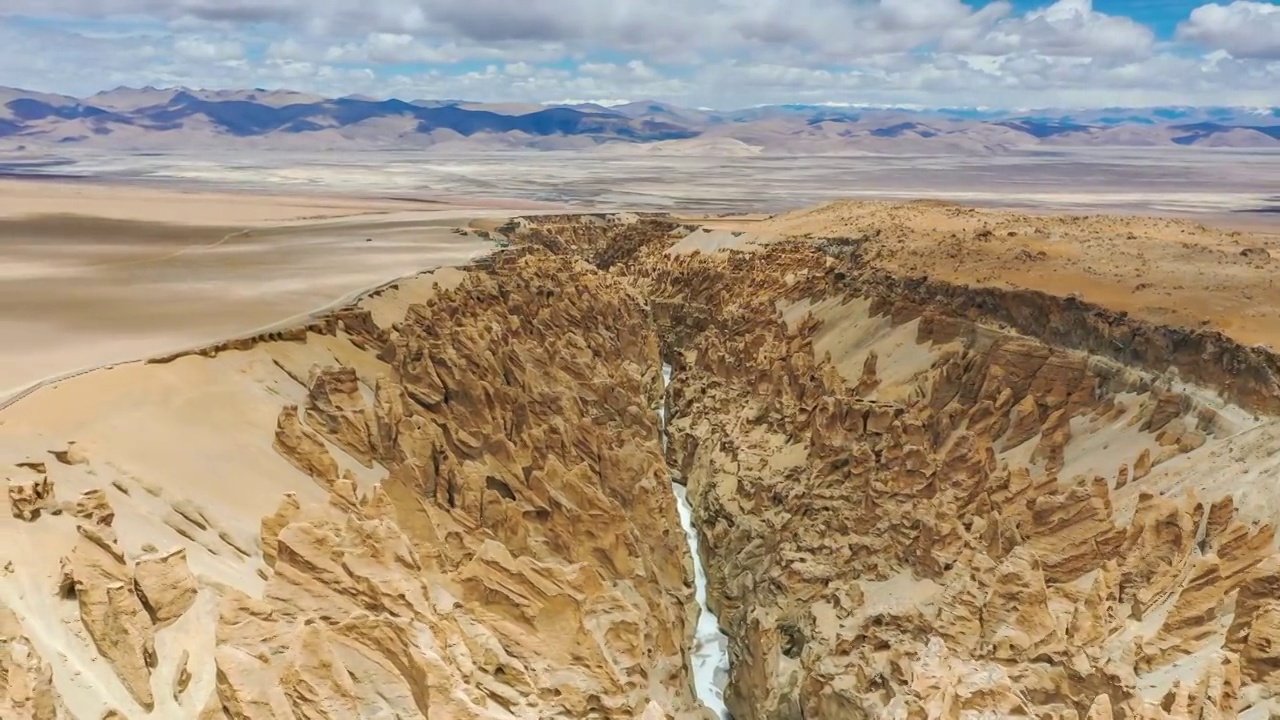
{"x": 934, "y": 555}
{"x": 499, "y": 541}
{"x": 27, "y": 691}
{"x": 30, "y": 496}
{"x": 911, "y": 504}
{"x": 526, "y": 523}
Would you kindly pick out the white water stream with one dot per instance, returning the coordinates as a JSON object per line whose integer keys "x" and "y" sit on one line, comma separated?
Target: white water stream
{"x": 710, "y": 646}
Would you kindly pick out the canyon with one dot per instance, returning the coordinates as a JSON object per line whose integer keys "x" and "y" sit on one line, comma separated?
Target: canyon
{"x": 938, "y": 463}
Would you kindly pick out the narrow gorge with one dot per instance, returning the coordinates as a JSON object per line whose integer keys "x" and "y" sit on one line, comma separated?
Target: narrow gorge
{"x": 633, "y": 468}
{"x": 710, "y": 652}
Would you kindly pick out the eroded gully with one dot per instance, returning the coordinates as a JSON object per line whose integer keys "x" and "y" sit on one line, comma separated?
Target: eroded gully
{"x": 710, "y": 646}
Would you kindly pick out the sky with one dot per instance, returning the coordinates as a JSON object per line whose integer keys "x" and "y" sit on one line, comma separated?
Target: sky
{"x": 697, "y": 53}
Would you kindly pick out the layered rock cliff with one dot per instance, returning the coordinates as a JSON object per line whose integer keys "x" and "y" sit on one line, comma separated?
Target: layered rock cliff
{"x": 921, "y": 502}
{"x": 914, "y": 500}
{"x": 525, "y": 511}
{"x": 499, "y": 538}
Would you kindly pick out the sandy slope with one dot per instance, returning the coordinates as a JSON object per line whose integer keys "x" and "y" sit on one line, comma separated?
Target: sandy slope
{"x": 95, "y": 275}
{"x": 192, "y": 436}
{"x": 22, "y": 198}
{"x": 138, "y": 272}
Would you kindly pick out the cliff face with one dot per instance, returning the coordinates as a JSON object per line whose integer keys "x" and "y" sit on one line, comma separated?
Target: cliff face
{"x": 915, "y": 500}
{"x": 1248, "y": 376}
{"x": 499, "y": 538}
{"x": 526, "y": 510}
{"x": 911, "y": 509}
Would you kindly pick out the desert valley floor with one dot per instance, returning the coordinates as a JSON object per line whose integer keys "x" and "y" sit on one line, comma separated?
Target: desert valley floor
{"x": 1232, "y": 182}
{"x": 332, "y": 456}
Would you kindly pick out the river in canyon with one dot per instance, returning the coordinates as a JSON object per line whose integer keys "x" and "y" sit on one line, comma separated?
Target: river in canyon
{"x": 710, "y": 646}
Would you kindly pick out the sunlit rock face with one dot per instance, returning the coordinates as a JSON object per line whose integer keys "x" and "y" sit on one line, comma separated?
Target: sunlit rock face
{"x": 908, "y": 503}
{"x": 523, "y": 556}
{"x": 916, "y": 513}
{"x": 498, "y": 539}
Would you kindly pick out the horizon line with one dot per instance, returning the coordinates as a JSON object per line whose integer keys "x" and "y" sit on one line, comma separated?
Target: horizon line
{"x": 618, "y": 102}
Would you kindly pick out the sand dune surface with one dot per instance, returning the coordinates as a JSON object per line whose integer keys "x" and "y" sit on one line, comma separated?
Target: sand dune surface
{"x": 94, "y": 274}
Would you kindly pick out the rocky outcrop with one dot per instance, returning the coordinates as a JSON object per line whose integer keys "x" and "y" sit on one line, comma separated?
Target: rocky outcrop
{"x": 908, "y": 530}
{"x": 92, "y": 506}
{"x": 165, "y": 585}
{"x": 120, "y": 605}
{"x": 926, "y": 558}
{"x": 1247, "y": 375}
{"x": 340, "y": 629}
{"x": 899, "y": 495}
{"x": 355, "y": 622}
{"x": 523, "y": 556}
{"x": 29, "y": 497}
{"x": 112, "y": 613}
{"x": 71, "y": 455}
{"x": 304, "y": 448}
{"x": 337, "y": 410}
{"x": 27, "y": 690}
{"x": 324, "y": 326}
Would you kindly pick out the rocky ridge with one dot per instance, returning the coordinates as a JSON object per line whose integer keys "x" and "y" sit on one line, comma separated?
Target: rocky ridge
{"x": 947, "y": 541}
{"x": 519, "y": 556}
{"x": 908, "y": 508}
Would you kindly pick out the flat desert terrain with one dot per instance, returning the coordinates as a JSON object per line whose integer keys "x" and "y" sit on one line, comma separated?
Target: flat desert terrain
{"x": 96, "y": 274}
{"x": 1219, "y": 182}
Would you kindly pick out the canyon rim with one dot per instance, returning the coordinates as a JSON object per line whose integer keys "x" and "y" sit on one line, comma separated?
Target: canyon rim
{"x": 919, "y": 485}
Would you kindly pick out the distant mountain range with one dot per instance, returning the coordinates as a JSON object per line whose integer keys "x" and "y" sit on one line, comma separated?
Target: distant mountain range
{"x": 151, "y": 119}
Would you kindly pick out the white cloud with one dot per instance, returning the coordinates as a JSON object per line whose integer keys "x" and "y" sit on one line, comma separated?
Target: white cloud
{"x": 287, "y": 49}
{"x": 194, "y": 48}
{"x": 382, "y": 48}
{"x": 922, "y": 15}
{"x": 632, "y": 71}
{"x": 1244, "y": 29}
{"x": 1065, "y": 28}
{"x": 695, "y": 52}
{"x": 518, "y": 70}
{"x": 398, "y": 48}
{"x": 1023, "y": 80}
{"x": 651, "y": 27}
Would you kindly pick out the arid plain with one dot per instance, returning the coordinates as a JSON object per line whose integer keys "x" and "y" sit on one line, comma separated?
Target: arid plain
{"x": 111, "y": 257}
{"x": 942, "y": 461}
{"x": 629, "y": 177}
